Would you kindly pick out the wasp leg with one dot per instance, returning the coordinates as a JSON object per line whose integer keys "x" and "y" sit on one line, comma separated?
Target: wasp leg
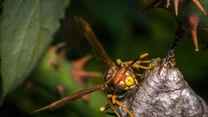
{"x": 103, "y": 110}
{"x": 122, "y": 106}
{"x": 111, "y": 102}
{"x": 129, "y": 62}
{"x": 140, "y": 75}
{"x": 146, "y": 61}
{"x": 137, "y": 63}
{"x": 111, "y": 105}
{"x": 147, "y": 68}
{"x": 143, "y": 55}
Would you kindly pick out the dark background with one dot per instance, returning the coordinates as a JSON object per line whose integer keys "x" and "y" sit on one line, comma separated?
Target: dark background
{"x": 125, "y": 33}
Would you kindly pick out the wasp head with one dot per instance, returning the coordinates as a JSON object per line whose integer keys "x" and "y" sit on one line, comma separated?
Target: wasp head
{"x": 121, "y": 77}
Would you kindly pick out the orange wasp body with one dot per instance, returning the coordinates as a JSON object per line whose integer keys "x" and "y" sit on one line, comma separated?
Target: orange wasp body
{"x": 118, "y": 79}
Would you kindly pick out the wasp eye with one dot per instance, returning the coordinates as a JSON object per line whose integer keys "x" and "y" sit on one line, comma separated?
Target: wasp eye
{"x": 109, "y": 74}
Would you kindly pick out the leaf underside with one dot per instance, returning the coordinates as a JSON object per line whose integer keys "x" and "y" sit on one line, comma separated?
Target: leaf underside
{"x": 27, "y": 28}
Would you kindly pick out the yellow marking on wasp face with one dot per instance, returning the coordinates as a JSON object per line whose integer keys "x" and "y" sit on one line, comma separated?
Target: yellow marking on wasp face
{"x": 126, "y": 88}
{"x": 123, "y": 86}
{"x": 129, "y": 81}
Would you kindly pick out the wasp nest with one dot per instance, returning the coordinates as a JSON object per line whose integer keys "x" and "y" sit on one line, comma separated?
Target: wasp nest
{"x": 164, "y": 93}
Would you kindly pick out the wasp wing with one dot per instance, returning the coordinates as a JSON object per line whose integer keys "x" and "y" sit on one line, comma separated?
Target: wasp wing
{"x": 94, "y": 43}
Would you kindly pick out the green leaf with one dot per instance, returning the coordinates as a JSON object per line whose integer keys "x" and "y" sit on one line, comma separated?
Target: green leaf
{"x": 27, "y": 28}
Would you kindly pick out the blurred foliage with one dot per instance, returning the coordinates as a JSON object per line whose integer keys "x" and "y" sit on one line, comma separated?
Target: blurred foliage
{"x": 125, "y": 33}
{"x": 27, "y": 28}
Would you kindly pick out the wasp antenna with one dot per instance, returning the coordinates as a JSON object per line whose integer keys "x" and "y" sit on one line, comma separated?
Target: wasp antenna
{"x": 143, "y": 55}
{"x": 133, "y": 62}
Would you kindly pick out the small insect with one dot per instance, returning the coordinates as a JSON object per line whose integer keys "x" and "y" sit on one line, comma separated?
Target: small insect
{"x": 118, "y": 80}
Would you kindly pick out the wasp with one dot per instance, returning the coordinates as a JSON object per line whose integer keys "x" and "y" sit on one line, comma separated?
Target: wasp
{"x": 118, "y": 80}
